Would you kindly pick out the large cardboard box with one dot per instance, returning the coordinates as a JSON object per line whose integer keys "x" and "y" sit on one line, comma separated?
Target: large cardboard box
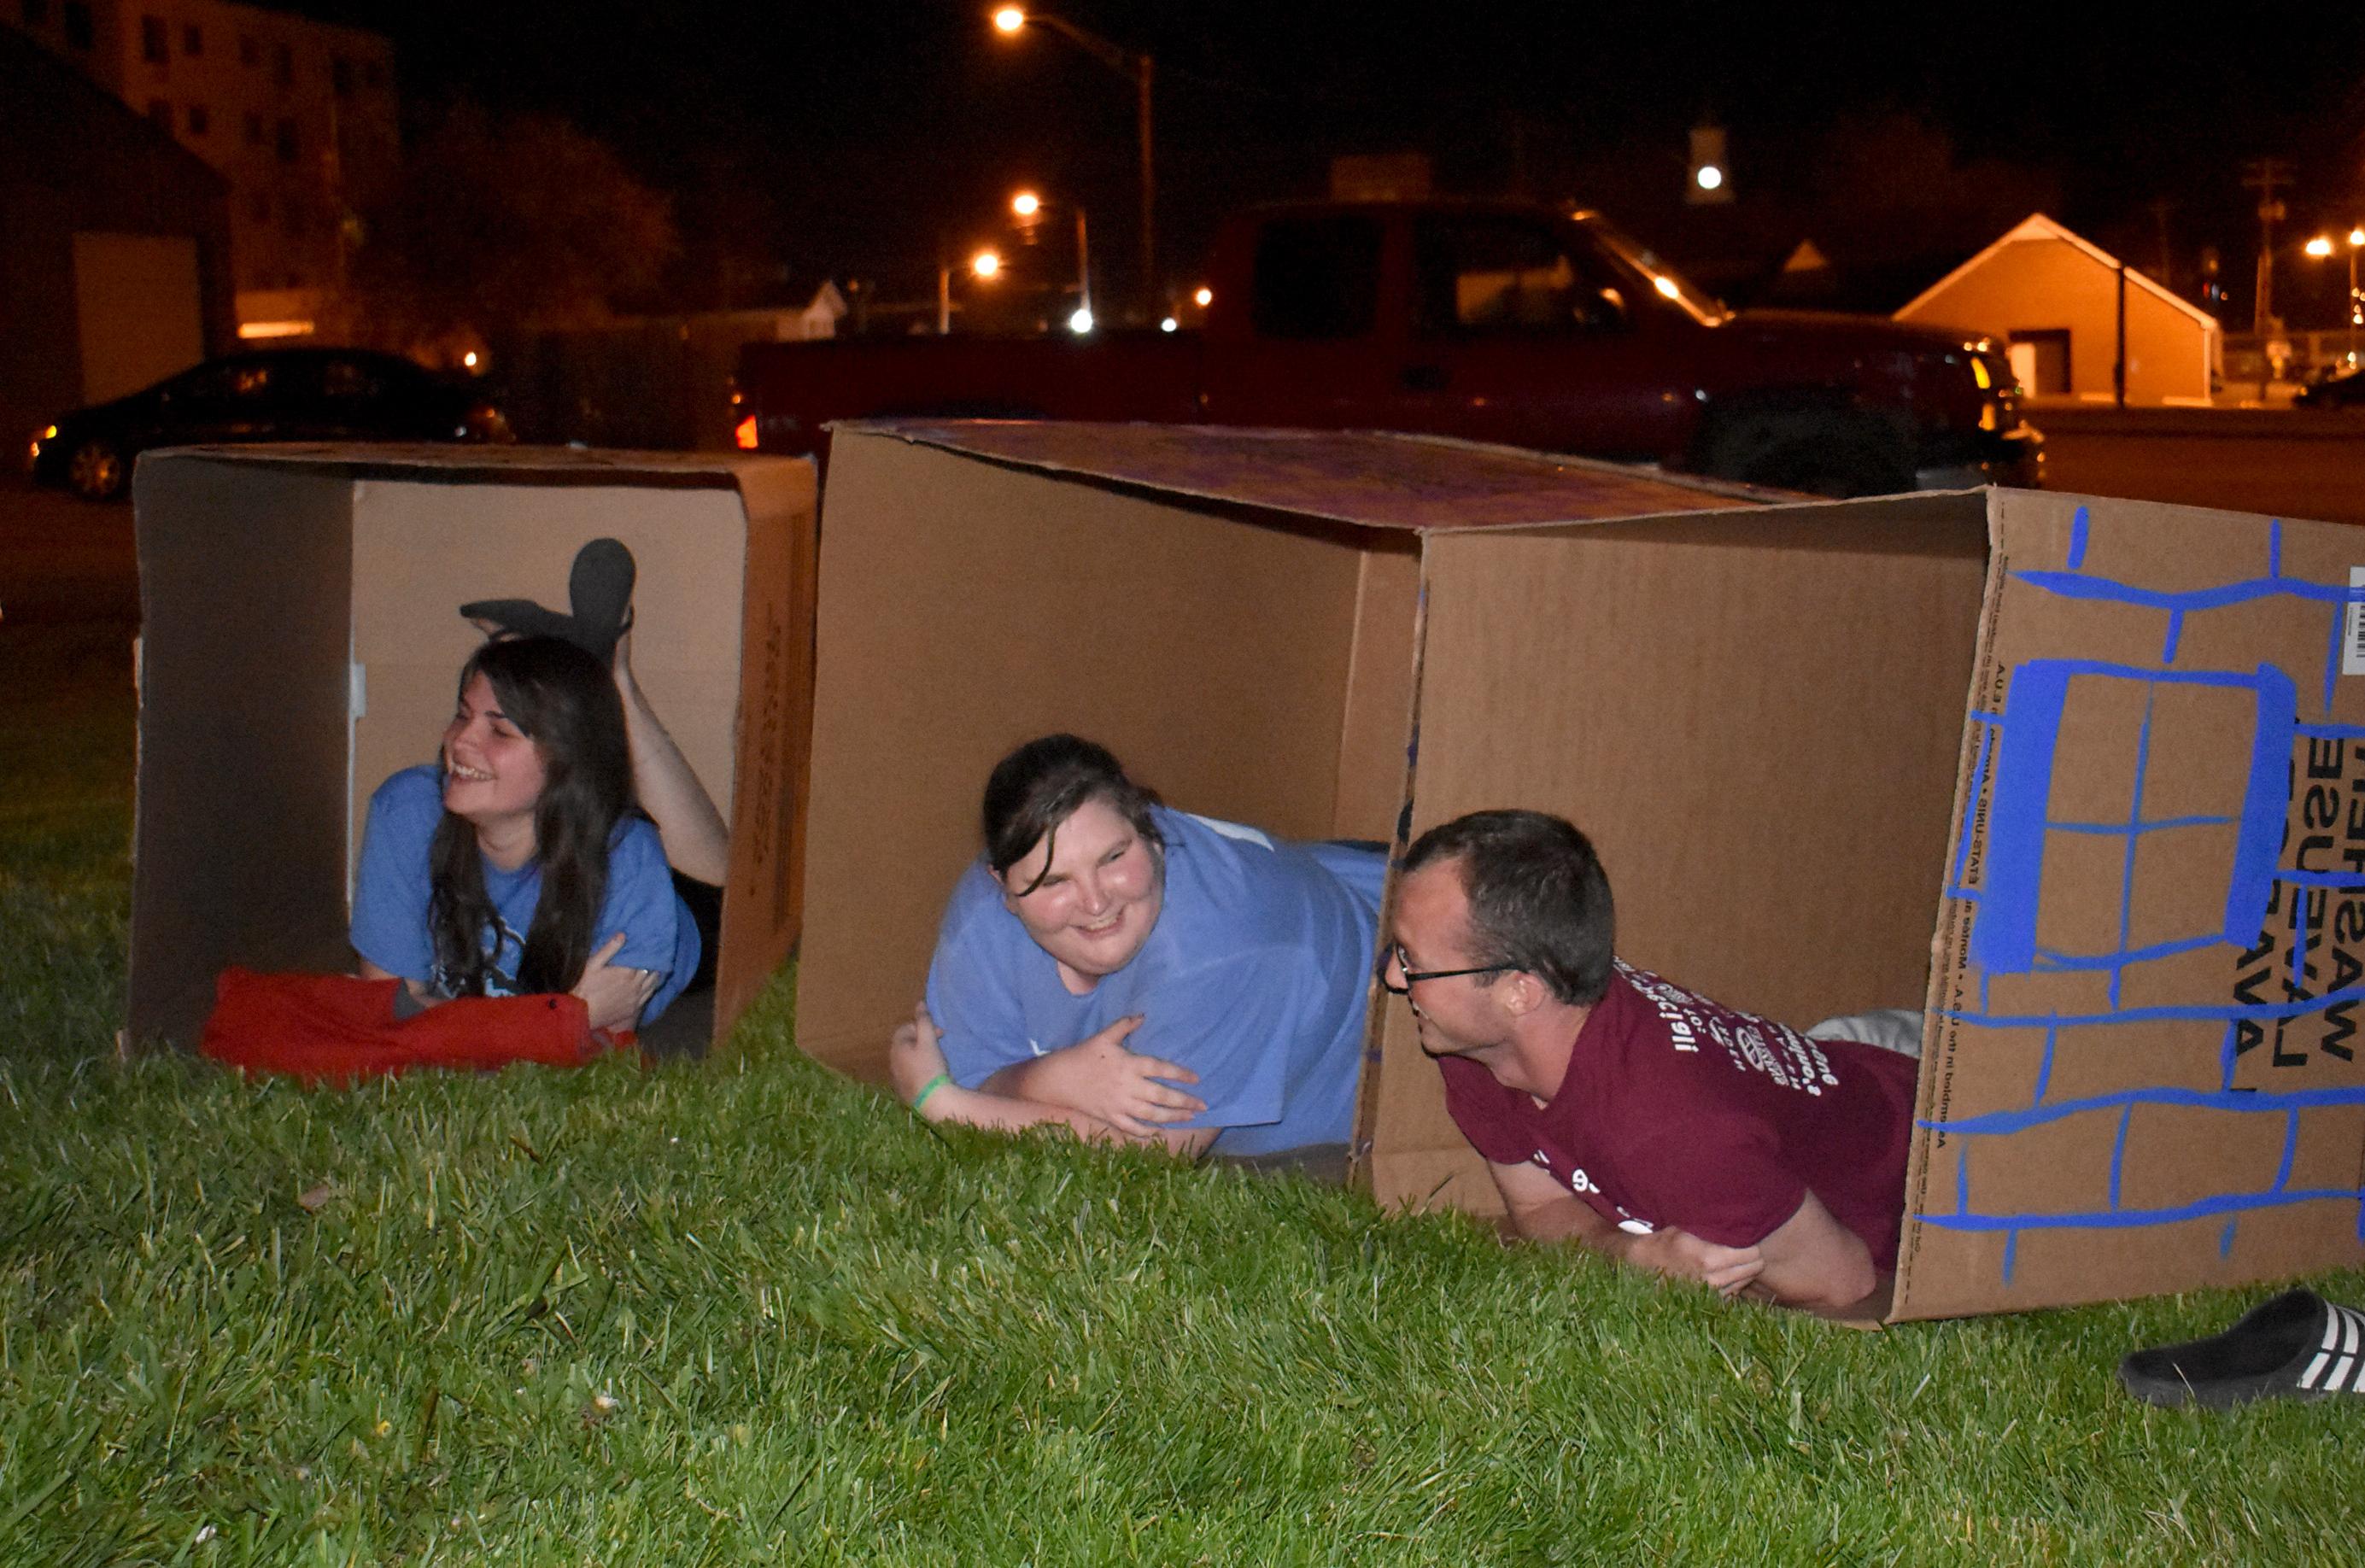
{"x": 2087, "y": 777}
{"x": 301, "y": 636}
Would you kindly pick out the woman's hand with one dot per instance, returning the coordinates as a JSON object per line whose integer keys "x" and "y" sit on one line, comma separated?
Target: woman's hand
{"x": 913, "y": 1056}
{"x": 614, "y": 996}
{"x": 1102, "y": 1079}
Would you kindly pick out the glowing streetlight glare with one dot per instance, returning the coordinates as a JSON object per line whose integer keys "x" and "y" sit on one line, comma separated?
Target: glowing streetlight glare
{"x": 469, "y": 359}
{"x": 985, "y": 264}
{"x": 2320, "y": 247}
{"x": 1080, "y": 322}
{"x": 1710, "y": 176}
{"x": 2357, "y": 237}
{"x": 1009, "y": 19}
{"x": 1666, "y": 285}
{"x": 1026, "y": 204}
{"x": 1203, "y": 297}
{"x": 1168, "y": 324}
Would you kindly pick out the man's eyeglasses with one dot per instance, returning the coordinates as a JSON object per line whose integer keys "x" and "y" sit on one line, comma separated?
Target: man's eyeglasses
{"x": 1407, "y": 976}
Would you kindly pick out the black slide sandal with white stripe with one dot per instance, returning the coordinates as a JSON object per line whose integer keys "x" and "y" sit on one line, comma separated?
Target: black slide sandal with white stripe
{"x": 2298, "y": 1346}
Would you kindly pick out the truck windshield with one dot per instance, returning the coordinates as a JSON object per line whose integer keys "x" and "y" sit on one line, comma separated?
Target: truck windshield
{"x": 1670, "y": 284}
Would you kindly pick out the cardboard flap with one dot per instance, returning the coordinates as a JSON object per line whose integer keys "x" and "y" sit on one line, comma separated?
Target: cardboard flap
{"x": 2142, "y": 1074}
{"x": 1371, "y": 480}
{"x": 240, "y": 825}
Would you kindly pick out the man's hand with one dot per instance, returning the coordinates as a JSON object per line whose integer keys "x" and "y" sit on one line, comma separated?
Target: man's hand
{"x": 1680, "y": 1255}
{"x": 1107, "y": 1082}
{"x": 614, "y": 997}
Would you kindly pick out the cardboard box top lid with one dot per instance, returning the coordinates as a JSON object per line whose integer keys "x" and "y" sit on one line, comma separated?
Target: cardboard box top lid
{"x": 1372, "y": 479}
{"x": 437, "y": 463}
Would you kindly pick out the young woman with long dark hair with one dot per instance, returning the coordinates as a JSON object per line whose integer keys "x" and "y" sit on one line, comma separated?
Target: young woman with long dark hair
{"x": 517, "y": 864}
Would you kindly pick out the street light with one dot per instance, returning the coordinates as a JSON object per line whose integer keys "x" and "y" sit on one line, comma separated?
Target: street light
{"x": 983, "y": 265}
{"x": 1010, "y": 21}
{"x": 1028, "y": 208}
{"x": 2321, "y": 247}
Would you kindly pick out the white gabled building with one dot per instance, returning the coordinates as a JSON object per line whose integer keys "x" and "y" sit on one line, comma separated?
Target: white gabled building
{"x": 2057, "y": 296}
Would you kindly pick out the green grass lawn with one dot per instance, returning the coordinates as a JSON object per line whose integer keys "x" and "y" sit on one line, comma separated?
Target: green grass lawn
{"x": 752, "y": 1312}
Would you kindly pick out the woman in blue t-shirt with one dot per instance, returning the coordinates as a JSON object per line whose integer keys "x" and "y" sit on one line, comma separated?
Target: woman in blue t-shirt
{"x": 1143, "y": 974}
{"x": 516, "y": 865}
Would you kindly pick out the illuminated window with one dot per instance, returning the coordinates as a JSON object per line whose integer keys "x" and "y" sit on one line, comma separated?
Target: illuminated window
{"x": 152, "y": 41}
{"x": 1486, "y": 275}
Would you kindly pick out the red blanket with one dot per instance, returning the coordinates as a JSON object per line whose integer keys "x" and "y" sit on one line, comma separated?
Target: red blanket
{"x": 334, "y": 1028}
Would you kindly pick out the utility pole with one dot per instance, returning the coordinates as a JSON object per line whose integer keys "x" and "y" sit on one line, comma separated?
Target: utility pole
{"x": 2264, "y": 176}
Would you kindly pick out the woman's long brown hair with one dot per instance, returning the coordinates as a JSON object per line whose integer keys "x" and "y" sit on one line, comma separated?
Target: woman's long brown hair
{"x": 566, "y": 702}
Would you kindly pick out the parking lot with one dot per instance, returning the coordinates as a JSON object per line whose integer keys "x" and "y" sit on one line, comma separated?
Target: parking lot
{"x": 61, "y": 559}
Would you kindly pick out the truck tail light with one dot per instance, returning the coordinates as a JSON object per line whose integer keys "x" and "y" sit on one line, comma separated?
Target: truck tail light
{"x": 743, "y": 433}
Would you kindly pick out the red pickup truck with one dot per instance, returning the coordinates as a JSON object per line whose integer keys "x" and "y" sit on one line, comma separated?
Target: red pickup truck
{"x": 1490, "y": 320}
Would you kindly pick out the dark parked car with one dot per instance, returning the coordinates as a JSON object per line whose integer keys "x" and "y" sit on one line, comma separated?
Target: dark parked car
{"x": 2343, "y": 387}
{"x": 271, "y": 394}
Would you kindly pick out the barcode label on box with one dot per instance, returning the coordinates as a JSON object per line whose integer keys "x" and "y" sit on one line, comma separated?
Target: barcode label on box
{"x": 2352, "y": 629}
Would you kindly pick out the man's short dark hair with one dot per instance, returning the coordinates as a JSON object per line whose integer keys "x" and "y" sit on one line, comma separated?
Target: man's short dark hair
{"x": 1538, "y": 897}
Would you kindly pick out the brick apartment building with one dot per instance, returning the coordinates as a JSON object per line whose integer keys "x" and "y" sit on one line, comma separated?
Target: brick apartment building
{"x": 298, "y": 116}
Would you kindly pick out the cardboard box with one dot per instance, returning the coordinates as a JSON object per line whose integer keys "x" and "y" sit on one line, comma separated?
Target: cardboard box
{"x": 301, "y": 641}
{"x": 2094, "y": 758}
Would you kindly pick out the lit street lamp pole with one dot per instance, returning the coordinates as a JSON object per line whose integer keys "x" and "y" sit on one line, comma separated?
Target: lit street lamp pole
{"x": 1010, "y": 20}
{"x": 2321, "y": 247}
{"x": 986, "y": 265}
{"x": 1028, "y": 208}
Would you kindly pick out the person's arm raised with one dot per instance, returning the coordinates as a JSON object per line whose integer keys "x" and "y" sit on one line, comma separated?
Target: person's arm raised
{"x": 1543, "y": 1210}
{"x": 697, "y": 843}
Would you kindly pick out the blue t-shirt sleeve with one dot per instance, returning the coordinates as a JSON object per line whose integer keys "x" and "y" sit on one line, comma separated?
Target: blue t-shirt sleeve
{"x": 1236, "y": 1023}
{"x": 640, "y": 903}
{"x": 972, "y": 988}
{"x": 390, "y": 890}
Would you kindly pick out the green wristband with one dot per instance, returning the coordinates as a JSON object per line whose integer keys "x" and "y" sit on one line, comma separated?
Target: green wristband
{"x": 929, "y": 1088}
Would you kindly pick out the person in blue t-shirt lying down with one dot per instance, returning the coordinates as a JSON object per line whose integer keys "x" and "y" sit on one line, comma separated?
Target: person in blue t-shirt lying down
{"x": 1142, "y": 975}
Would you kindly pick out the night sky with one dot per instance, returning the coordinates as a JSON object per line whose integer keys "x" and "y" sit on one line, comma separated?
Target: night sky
{"x": 844, "y": 138}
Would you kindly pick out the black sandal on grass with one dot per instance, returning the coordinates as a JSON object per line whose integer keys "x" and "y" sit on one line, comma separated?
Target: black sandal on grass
{"x": 2298, "y": 1346}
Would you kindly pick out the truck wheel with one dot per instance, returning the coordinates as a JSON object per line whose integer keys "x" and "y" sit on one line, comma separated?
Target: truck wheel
{"x": 96, "y": 470}
{"x": 1832, "y": 454}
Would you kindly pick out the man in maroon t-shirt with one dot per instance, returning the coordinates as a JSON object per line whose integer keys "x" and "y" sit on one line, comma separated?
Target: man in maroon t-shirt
{"x": 1628, "y": 1114}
